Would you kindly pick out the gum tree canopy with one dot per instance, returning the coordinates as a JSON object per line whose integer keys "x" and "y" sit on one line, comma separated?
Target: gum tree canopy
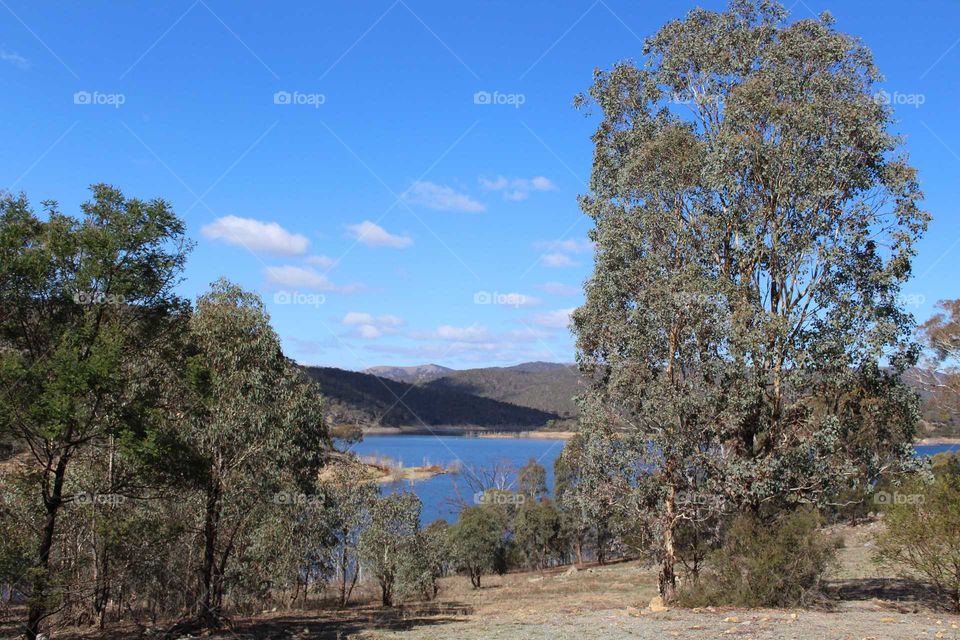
{"x": 754, "y": 219}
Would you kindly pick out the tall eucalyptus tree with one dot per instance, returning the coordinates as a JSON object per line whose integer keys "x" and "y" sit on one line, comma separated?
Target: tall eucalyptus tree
{"x": 755, "y": 219}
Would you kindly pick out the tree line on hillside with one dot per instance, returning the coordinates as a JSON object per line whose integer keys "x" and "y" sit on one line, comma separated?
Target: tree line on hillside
{"x": 365, "y": 399}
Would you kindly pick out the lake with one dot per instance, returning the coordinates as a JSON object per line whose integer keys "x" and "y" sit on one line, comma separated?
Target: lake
{"x": 440, "y": 493}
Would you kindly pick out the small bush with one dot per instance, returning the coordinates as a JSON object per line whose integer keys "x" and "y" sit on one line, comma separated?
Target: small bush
{"x": 922, "y": 533}
{"x": 779, "y": 564}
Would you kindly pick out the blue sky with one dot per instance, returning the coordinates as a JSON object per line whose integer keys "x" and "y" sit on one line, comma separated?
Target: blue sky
{"x": 336, "y": 158}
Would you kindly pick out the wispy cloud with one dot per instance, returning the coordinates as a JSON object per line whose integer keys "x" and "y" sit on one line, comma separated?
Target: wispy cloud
{"x": 324, "y": 262}
{"x": 257, "y": 236}
{"x": 557, "y": 260}
{"x": 473, "y": 333}
{"x": 557, "y": 319}
{"x": 517, "y": 188}
{"x": 15, "y": 59}
{"x": 440, "y": 197}
{"x": 365, "y": 325}
{"x": 305, "y": 278}
{"x": 373, "y": 235}
{"x": 565, "y": 246}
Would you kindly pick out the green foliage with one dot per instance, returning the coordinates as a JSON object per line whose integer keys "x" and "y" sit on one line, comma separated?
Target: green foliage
{"x": 351, "y": 496}
{"x": 748, "y": 267}
{"x": 254, "y": 418}
{"x": 89, "y": 317}
{"x": 391, "y": 547}
{"x": 537, "y": 532}
{"x": 940, "y": 376}
{"x": 765, "y": 564}
{"x": 477, "y": 541}
{"x": 433, "y": 558}
{"x": 921, "y": 536}
{"x": 532, "y": 480}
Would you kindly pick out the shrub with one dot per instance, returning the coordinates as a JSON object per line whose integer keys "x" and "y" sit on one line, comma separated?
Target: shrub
{"x": 779, "y": 564}
{"x": 536, "y": 530}
{"x": 477, "y": 541}
{"x": 922, "y": 533}
{"x": 390, "y": 545}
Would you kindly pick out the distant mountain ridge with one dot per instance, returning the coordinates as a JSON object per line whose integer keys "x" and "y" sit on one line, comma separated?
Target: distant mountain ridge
{"x": 413, "y": 375}
{"x": 524, "y": 396}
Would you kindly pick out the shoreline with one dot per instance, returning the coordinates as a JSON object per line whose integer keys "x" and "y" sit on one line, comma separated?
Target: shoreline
{"x": 938, "y": 441}
{"x": 465, "y": 432}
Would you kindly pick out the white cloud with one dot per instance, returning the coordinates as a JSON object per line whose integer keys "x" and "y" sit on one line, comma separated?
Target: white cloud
{"x": 367, "y": 326}
{"x": 321, "y": 261}
{"x": 559, "y": 289}
{"x": 519, "y": 300}
{"x": 440, "y": 197}
{"x": 305, "y": 278}
{"x": 517, "y": 188}
{"x": 369, "y": 331}
{"x": 15, "y": 59}
{"x": 357, "y": 317}
{"x": 566, "y": 246}
{"x": 373, "y": 235}
{"x": 541, "y": 184}
{"x": 257, "y": 236}
{"x": 528, "y": 333}
{"x": 557, "y": 260}
{"x": 558, "y": 319}
{"x": 496, "y": 184}
{"x": 391, "y": 321}
{"x": 446, "y": 332}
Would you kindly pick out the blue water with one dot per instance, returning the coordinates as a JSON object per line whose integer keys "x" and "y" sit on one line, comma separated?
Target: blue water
{"x": 934, "y": 449}
{"x": 441, "y": 494}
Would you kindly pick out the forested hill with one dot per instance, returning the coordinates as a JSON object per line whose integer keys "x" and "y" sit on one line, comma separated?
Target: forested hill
{"x": 524, "y": 396}
{"x": 547, "y": 386}
{"x": 369, "y": 400}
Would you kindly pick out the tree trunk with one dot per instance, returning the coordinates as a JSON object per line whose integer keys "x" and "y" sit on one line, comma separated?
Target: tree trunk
{"x": 53, "y": 502}
{"x": 207, "y": 614}
{"x": 667, "y": 580}
{"x": 343, "y": 576}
